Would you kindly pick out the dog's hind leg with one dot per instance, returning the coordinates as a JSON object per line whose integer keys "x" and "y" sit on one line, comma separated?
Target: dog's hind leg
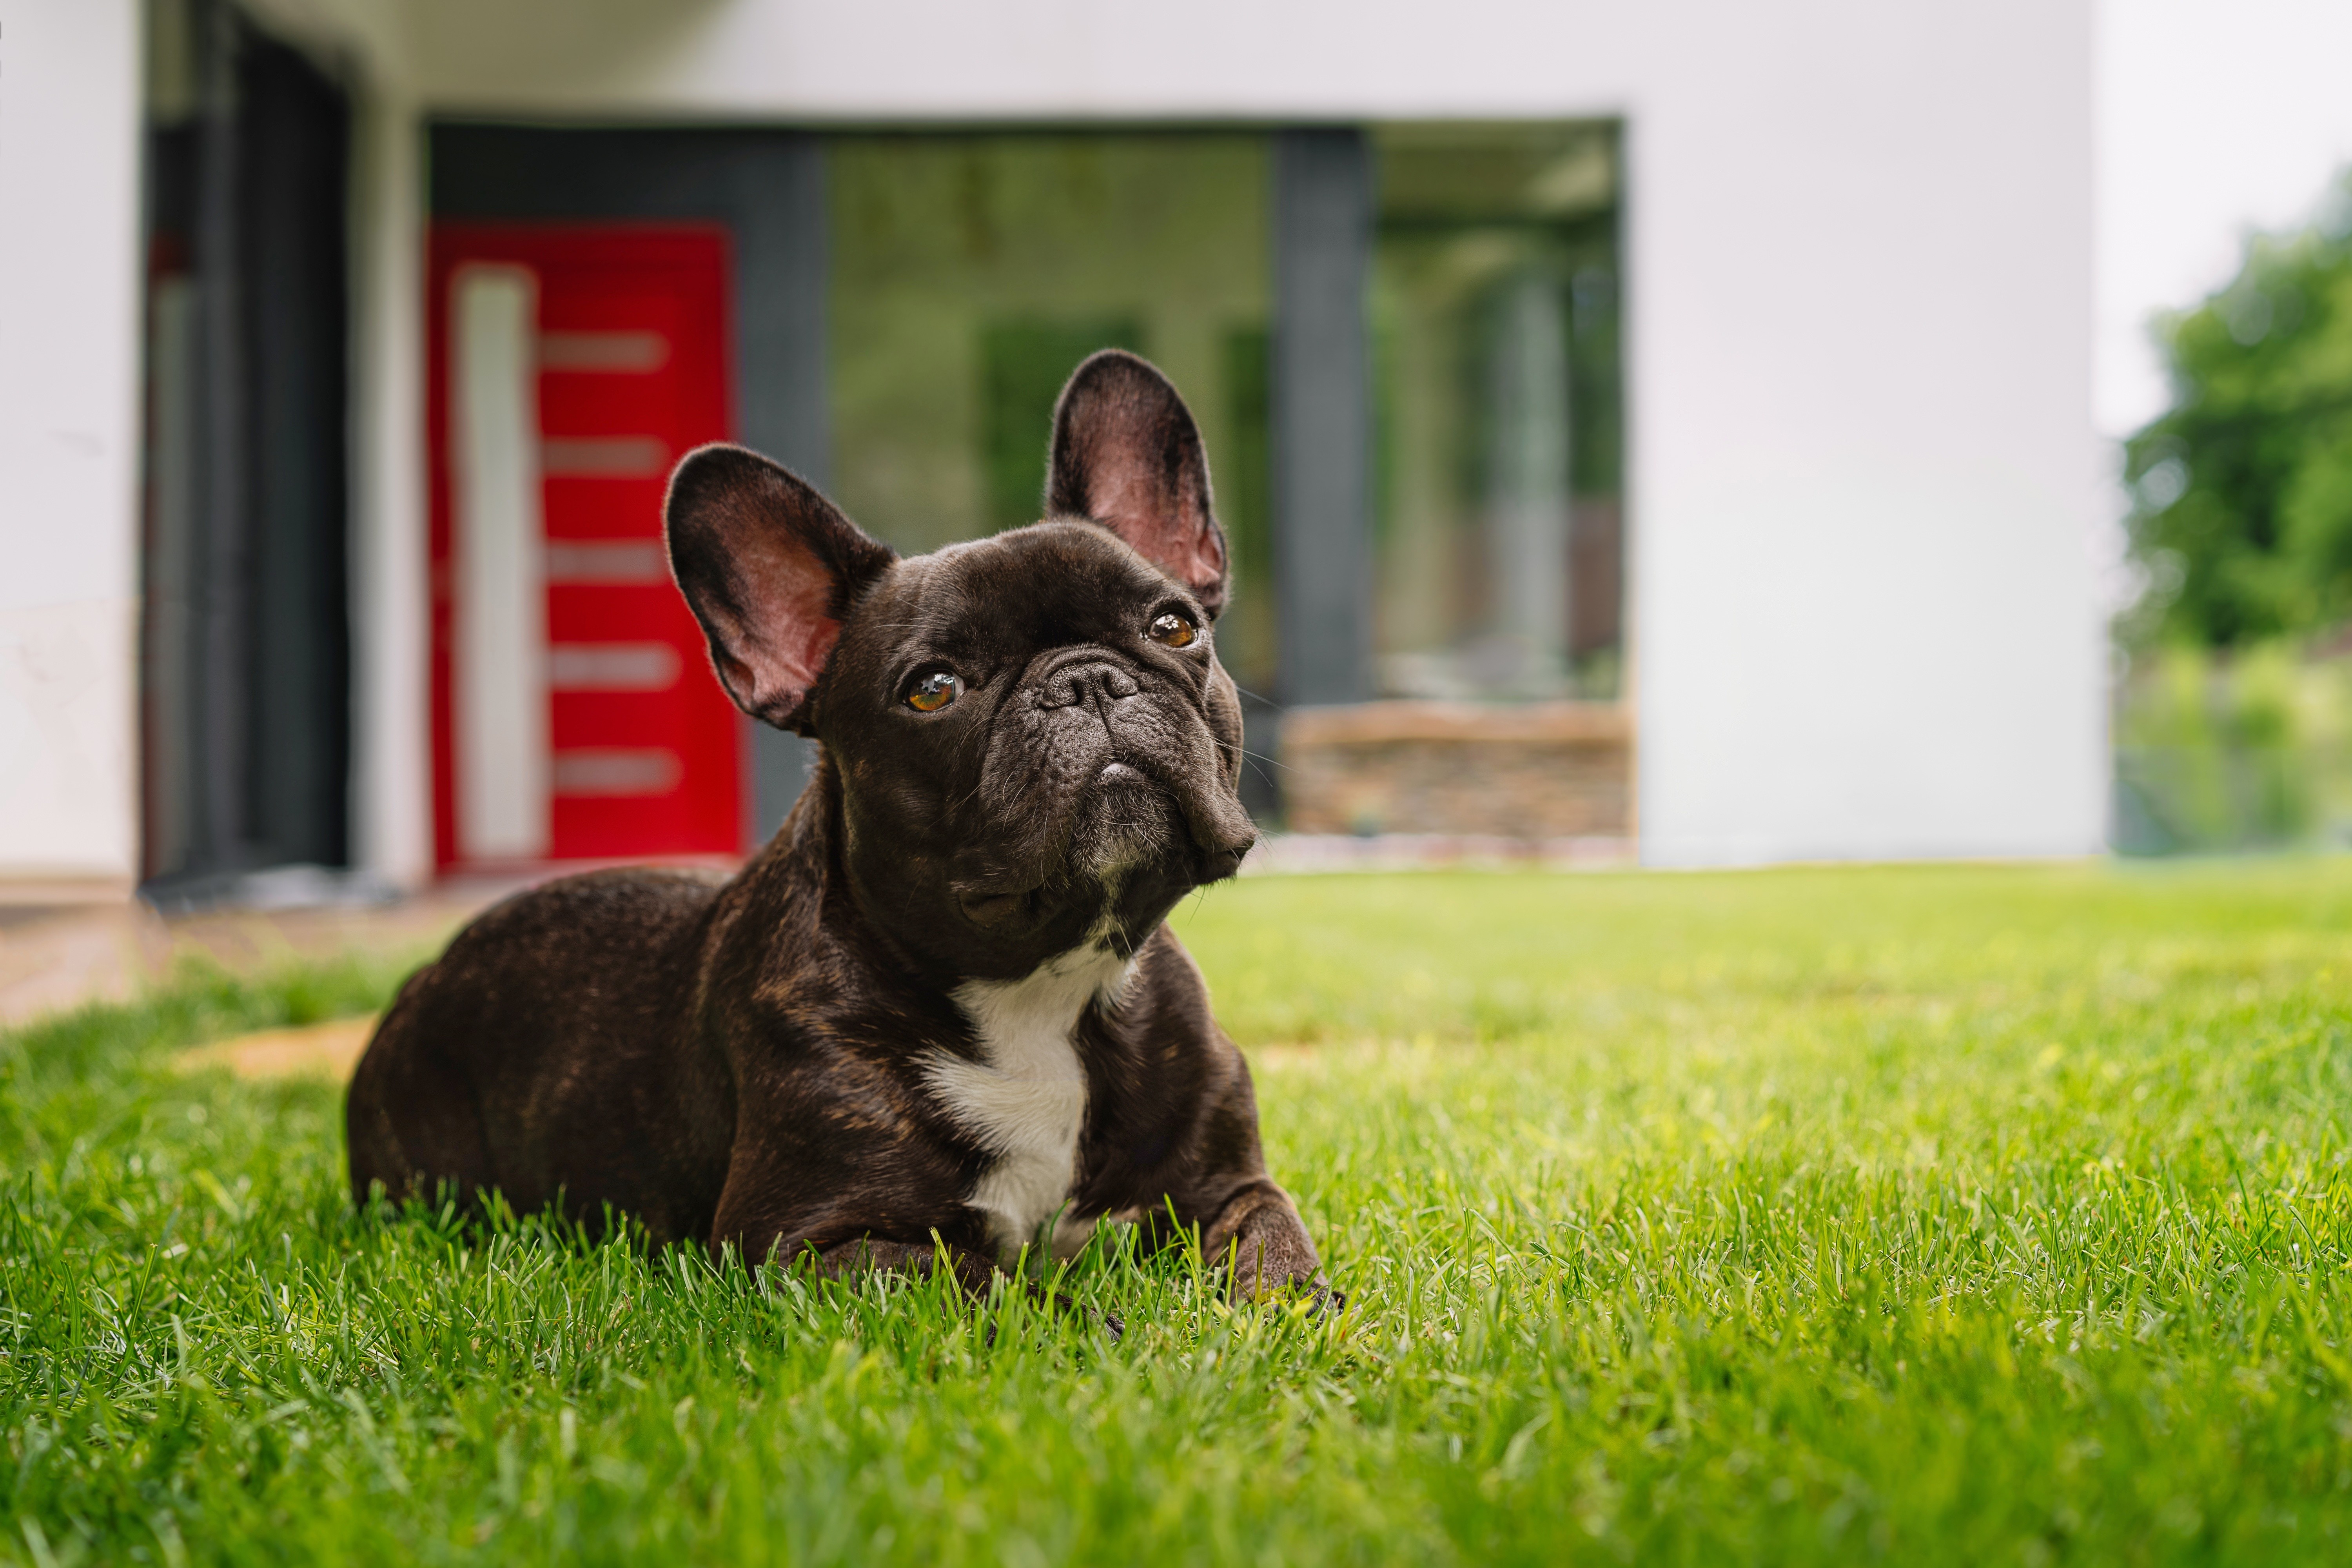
{"x": 412, "y": 1120}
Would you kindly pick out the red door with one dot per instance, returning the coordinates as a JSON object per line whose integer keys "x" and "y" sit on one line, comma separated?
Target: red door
{"x": 574, "y": 716}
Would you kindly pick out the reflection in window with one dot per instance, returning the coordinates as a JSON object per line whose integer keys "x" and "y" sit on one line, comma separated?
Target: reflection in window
{"x": 972, "y": 273}
{"x": 969, "y": 273}
{"x": 1496, "y": 392}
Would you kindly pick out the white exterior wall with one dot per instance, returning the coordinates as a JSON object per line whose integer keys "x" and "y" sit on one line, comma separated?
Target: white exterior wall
{"x": 1863, "y": 489}
{"x": 69, "y": 437}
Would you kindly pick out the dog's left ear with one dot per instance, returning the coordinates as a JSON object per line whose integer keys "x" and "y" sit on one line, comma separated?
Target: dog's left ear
{"x": 770, "y": 569}
{"x": 1127, "y": 456}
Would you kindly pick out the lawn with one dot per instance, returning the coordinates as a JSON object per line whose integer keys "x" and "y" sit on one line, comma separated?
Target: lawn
{"x": 1975, "y": 1214}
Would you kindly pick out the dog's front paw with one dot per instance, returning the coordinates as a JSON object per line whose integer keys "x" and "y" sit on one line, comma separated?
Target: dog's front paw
{"x": 1109, "y": 1323}
{"x": 1264, "y": 1268}
{"x": 1316, "y": 1295}
{"x": 1265, "y": 1247}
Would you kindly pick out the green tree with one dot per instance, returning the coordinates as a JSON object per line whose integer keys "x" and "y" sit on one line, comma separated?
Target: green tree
{"x": 2242, "y": 512}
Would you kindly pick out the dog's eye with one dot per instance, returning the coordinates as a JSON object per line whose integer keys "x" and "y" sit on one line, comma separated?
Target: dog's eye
{"x": 933, "y": 691}
{"x": 1172, "y": 630}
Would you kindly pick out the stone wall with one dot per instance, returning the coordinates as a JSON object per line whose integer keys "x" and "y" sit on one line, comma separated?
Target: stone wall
{"x": 1531, "y": 771}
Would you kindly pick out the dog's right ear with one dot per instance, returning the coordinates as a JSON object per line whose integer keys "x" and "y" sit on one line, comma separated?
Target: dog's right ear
{"x": 770, "y": 568}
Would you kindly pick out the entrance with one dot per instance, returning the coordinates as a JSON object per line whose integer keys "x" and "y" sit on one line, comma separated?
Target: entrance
{"x": 573, "y": 714}
{"x": 246, "y": 645}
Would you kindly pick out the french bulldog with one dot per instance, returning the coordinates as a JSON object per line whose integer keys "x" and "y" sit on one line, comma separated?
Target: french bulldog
{"x": 940, "y": 1016}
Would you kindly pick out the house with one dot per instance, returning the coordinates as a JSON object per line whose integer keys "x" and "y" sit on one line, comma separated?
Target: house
{"x": 1661, "y": 426}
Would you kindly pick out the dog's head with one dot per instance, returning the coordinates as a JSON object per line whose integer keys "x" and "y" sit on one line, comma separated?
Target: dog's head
{"x": 1036, "y": 744}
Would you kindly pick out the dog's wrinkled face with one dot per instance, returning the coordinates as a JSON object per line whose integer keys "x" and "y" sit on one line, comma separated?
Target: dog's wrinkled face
{"x": 1033, "y": 733}
{"x": 1037, "y": 748}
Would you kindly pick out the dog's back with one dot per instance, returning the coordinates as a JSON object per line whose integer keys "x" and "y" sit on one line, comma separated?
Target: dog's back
{"x": 548, "y": 1051}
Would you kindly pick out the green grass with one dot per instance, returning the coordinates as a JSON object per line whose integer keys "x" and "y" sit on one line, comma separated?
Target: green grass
{"x": 1969, "y": 1216}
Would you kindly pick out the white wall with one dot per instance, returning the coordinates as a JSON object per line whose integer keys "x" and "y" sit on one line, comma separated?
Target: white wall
{"x": 1864, "y": 487}
{"x": 69, "y": 432}
{"x": 1867, "y": 494}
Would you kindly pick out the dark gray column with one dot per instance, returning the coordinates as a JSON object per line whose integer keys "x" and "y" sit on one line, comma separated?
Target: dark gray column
{"x": 218, "y": 727}
{"x": 1322, "y": 415}
{"x": 780, "y": 308}
{"x": 244, "y": 641}
{"x": 778, "y": 202}
{"x": 294, "y": 158}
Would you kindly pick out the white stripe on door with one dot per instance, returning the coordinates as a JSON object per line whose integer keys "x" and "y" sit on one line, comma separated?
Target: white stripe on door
{"x": 626, "y": 353}
{"x": 500, "y": 630}
{"x": 603, "y": 457}
{"x": 595, "y": 563}
{"x": 612, "y": 666}
{"x": 617, "y": 770}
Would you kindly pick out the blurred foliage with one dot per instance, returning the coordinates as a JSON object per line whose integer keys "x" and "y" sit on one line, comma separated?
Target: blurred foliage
{"x": 1022, "y": 364}
{"x": 2242, "y": 513}
{"x": 2234, "y": 749}
{"x": 970, "y": 273}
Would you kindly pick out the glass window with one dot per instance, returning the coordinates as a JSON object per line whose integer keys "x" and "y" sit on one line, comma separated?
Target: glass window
{"x": 1496, "y": 396}
{"x": 970, "y": 273}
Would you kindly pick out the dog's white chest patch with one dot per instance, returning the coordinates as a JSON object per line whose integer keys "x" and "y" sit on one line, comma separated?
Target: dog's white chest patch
{"x": 1025, "y": 1098}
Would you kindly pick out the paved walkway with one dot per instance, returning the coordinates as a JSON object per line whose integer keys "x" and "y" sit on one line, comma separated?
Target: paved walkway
{"x": 52, "y": 959}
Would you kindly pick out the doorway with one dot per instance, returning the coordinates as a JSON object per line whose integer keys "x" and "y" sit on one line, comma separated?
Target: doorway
{"x": 245, "y": 707}
{"x": 575, "y": 716}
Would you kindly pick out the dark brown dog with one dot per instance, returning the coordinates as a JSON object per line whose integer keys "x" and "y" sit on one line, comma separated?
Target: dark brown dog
{"x": 941, "y": 1003}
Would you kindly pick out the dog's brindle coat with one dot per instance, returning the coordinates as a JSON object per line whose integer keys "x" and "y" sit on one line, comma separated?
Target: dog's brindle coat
{"x": 941, "y": 1003}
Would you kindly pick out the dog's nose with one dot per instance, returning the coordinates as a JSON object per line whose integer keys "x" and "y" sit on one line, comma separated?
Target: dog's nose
{"x": 1089, "y": 680}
